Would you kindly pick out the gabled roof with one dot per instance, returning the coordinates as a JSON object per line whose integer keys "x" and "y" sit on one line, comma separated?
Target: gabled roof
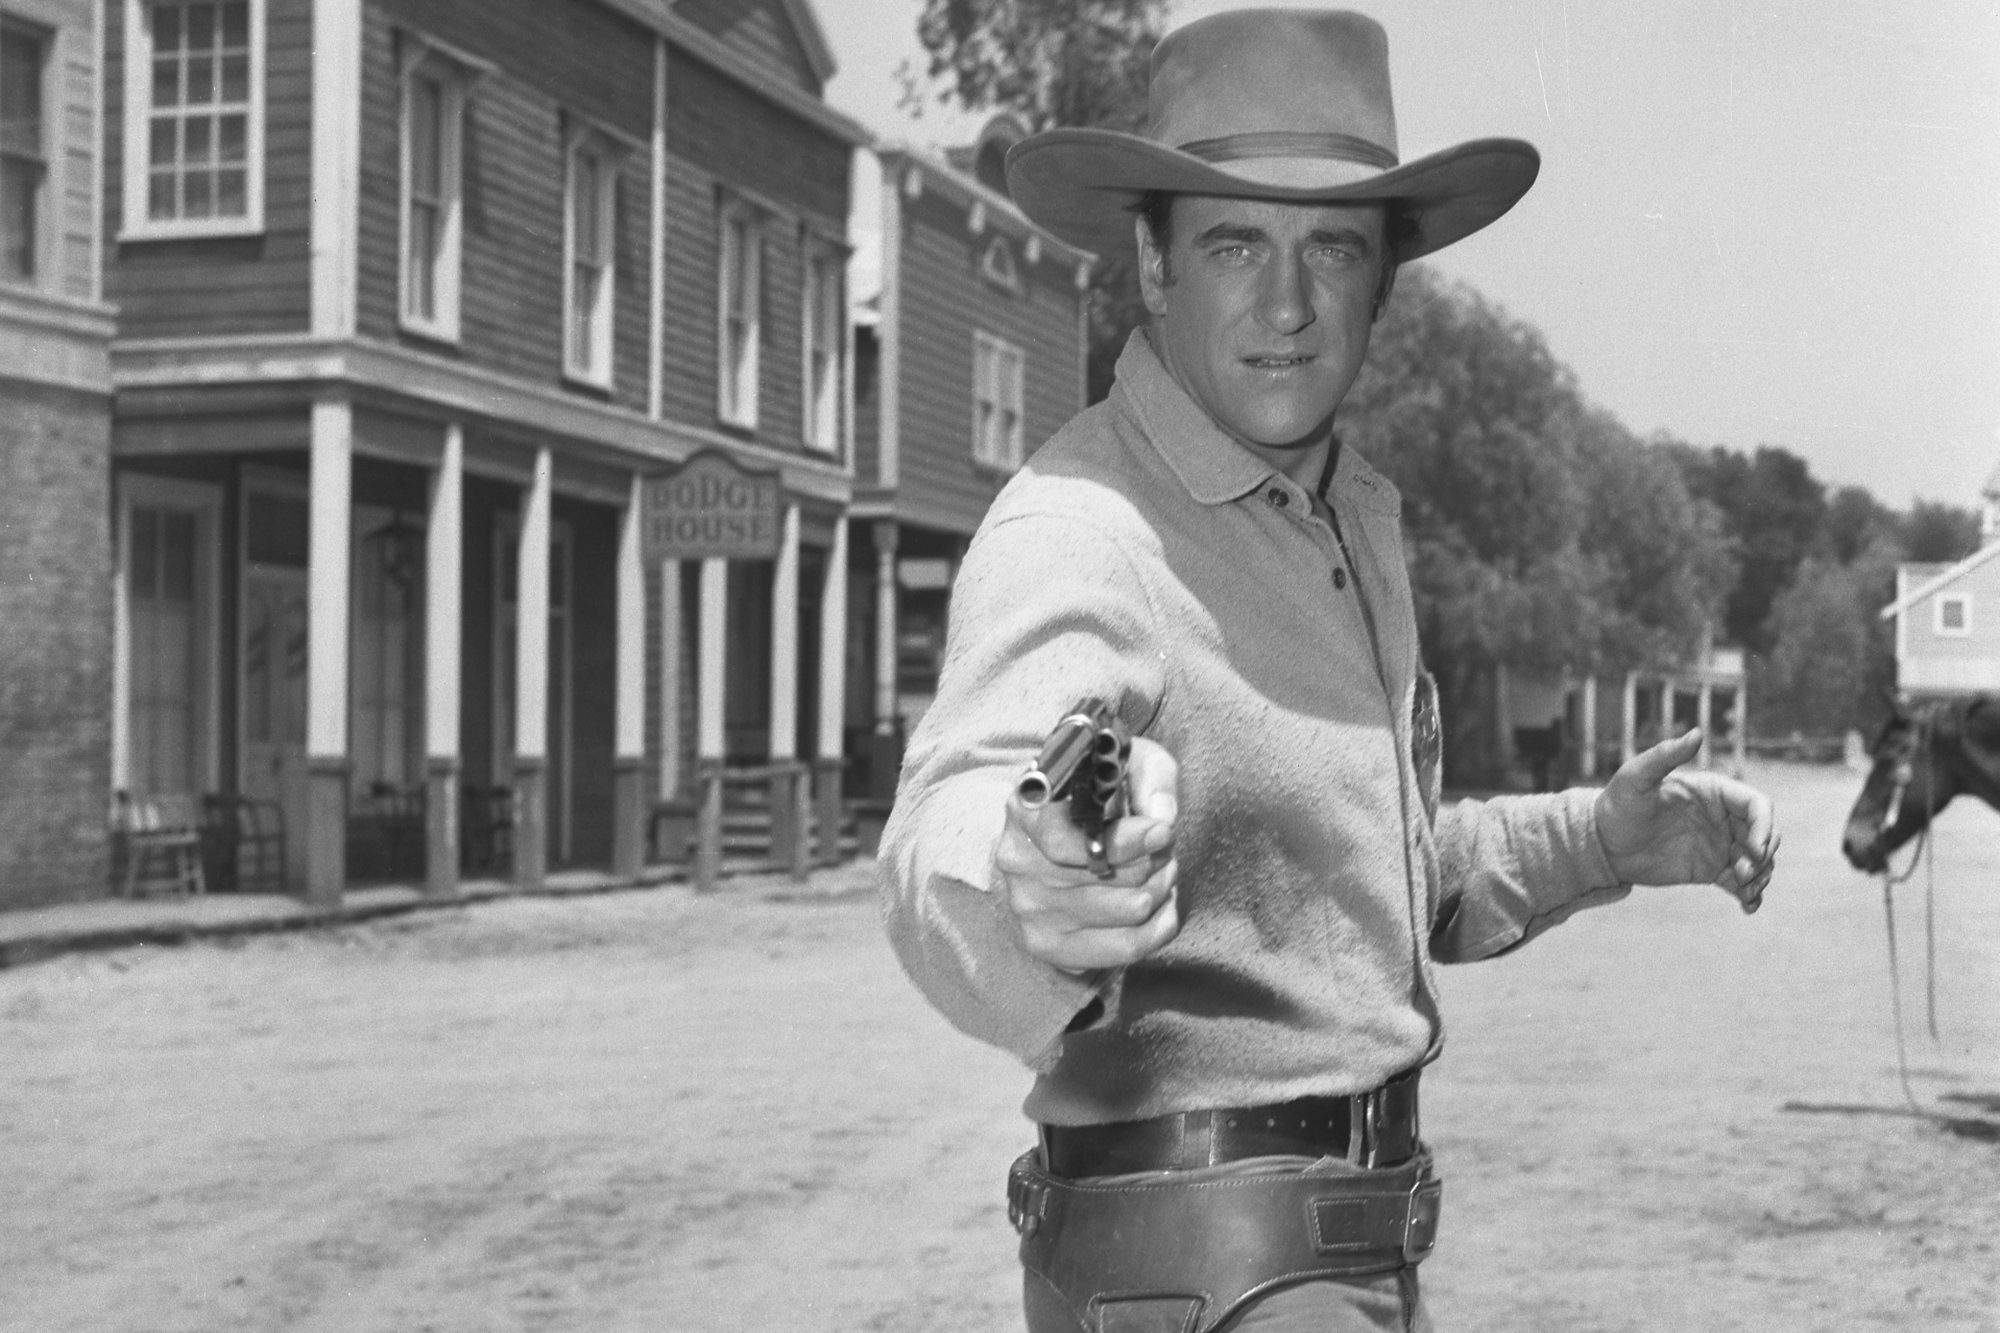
{"x": 1943, "y": 580}
{"x": 812, "y": 37}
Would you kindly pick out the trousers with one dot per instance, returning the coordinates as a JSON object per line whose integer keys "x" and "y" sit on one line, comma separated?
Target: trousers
{"x": 1377, "y": 1303}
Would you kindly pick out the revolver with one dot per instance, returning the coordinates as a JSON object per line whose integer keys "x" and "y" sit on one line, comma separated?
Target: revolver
{"x": 1083, "y": 761}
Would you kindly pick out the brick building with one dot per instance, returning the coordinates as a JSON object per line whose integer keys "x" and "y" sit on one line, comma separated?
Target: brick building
{"x": 55, "y": 548}
{"x": 417, "y": 299}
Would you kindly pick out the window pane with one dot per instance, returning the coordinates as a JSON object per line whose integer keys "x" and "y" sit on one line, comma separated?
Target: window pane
{"x": 164, "y": 150}
{"x": 426, "y": 119}
{"x": 236, "y": 24}
{"x": 20, "y": 91}
{"x": 160, "y": 195}
{"x": 231, "y": 193}
{"x": 236, "y": 78}
{"x": 200, "y": 27}
{"x": 166, "y": 27}
{"x": 166, "y": 81}
{"x": 199, "y": 194}
{"x": 200, "y": 80}
{"x": 199, "y": 146}
{"x": 234, "y": 138}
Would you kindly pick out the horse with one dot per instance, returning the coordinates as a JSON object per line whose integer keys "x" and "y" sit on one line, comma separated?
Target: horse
{"x": 1927, "y": 754}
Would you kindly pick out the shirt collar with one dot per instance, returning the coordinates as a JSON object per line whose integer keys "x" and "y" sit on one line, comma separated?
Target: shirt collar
{"x": 1214, "y": 468}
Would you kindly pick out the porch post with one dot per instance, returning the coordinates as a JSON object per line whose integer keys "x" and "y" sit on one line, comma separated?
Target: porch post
{"x": 1703, "y": 716}
{"x": 832, "y": 694}
{"x": 327, "y": 614}
{"x": 670, "y": 690}
{"x": 1742, "y": 715}
{"x": 1586, "y": 761}
{"x": 628, "y": 779}
{"x": 788, "y": 831}
{"x": 531, "y": 681}
{"x": 444, "y": 587}
{"x": 885, "y": 627}
{"x": 709, "y": 736}
{"x": 1628, "y": 742}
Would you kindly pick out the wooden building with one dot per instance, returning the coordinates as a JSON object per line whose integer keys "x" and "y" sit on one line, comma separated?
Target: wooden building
{"x": 55, "y": 417}
{"x": 973, "y": 357}
{"x": 418, "y": 299}
{"x": 1947, "y": 621}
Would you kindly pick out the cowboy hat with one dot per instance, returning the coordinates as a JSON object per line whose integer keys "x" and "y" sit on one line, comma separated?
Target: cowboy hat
{"x": 1281, "y": 104}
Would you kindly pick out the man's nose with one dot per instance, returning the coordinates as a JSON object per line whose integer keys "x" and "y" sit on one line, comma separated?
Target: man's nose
{"x": 1285, "y": 303}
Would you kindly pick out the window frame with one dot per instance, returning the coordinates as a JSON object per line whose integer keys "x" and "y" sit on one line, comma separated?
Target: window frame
{"x": 455, "y": 78}
{"x": 822, "y": 330}
{"x": 48, "y": 186}
{"x": 989, "y": 354}
{"x": 738, "y": 384}
{"x": 583, "y": 141}
{"x": 138, "y": 224}
{"x": 1962, "y": 600}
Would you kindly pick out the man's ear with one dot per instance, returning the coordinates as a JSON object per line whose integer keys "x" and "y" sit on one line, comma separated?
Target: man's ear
{"x": 1382, "y": 292}
{"x": 1152, "y": 269}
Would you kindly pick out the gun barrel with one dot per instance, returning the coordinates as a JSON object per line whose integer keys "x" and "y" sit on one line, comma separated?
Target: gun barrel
{"x": 1075, "y": 739}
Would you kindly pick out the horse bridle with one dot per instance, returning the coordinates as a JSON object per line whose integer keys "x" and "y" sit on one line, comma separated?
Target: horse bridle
{"x": 1904, "y": 774}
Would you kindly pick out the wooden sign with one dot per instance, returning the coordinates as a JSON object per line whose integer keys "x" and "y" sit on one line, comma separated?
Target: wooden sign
{"x": 711, "y": 507}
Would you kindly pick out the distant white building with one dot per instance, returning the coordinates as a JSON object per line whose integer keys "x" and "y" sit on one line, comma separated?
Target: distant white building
{"x": 1948, "y": 619}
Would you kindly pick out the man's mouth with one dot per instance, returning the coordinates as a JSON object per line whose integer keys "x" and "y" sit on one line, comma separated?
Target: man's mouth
{"x": 1276, "y": 362}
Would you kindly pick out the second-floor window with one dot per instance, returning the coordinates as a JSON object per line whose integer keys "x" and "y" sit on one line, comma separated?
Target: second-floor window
{"x": 737, "y": 317}
{"x": 434, "y": 91}
{"x": 589, "y": 273}
{"x": 823, "y": 318}
{"x": 194, "y": 117}
{"x": 1953, "y": 618}
{"x": 24, "y": 159}
{"x": 998, "y": 369}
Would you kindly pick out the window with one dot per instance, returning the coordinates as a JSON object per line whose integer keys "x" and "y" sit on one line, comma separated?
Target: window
{"x": 997, "y": 368}
{"x": 167, "y": 569}
{"x": 24, "y": 158}
{"x": 434, "y": 94}
{"x": 824, "y": 319}
{"x": 1953, "y": 614}
{"x": 589, "y": 274}
{"x": 742, "y": 282}
{"x": 194, "y": 117}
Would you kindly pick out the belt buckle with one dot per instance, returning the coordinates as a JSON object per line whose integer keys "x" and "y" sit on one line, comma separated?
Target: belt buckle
{"x": 1025, "y": 1202}
{"x": 1420, "y": 1223}
{"x": 1364, "y": 1133}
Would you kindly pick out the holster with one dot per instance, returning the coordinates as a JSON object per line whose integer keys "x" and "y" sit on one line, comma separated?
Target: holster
{"x": 1215, "y": 1243}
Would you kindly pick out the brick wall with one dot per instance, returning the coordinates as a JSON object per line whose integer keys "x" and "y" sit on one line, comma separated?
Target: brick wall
{"x": 55, "y": 654}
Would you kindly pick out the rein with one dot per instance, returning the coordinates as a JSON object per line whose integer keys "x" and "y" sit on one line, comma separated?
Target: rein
{"x": 1924, "y": 852}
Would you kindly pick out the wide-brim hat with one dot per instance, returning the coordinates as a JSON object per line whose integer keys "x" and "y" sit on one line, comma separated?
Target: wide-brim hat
{"x": 1284, "y": 104}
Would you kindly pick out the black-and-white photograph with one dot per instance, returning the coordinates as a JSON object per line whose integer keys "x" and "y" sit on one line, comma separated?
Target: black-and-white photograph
{"x": 999, "y": 666}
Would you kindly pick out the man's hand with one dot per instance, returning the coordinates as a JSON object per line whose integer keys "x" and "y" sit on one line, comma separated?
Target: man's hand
{"x": 1663, "y": 827}
{"x": 1070, "y": 918}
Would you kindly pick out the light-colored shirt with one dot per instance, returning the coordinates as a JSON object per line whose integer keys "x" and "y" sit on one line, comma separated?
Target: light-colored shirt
{"x": 1144, "y": 557}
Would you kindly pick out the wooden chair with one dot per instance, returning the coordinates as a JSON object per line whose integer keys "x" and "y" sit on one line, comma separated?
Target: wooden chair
{"x": 246, "y": 844}
{"x": 161, "y": 844}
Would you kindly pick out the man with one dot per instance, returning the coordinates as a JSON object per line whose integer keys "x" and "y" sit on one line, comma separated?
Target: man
{"x": 1226, "y": 1031}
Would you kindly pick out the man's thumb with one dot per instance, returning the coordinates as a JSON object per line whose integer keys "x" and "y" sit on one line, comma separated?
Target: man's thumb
{"x": 1650, "y": 767}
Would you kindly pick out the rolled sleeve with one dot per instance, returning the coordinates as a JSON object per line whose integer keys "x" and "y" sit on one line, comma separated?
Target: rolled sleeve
{"x": 1512, "y": 867}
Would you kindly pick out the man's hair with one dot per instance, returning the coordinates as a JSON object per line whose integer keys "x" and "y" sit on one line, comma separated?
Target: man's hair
{"x": 1156, "y": 208}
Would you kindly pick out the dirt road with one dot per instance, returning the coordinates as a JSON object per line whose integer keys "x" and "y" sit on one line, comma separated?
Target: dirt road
{"x": 651, "y": 1111}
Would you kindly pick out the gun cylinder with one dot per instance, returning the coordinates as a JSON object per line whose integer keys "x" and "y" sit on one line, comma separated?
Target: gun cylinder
{"x": 1063, "y": 753}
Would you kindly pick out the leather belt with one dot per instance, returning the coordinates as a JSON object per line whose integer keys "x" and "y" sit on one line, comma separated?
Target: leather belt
{"x": 1377, "y": 1128}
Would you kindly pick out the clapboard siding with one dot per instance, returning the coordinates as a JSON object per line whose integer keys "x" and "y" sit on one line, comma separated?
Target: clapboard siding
{"x": 76, "y": 153}
{"x": 722, "y": 137}
{"x": 197, "y": 287}
{"x": 760, "y": 31}
{"x": 944, "y": 299}
{"x": 551, "y": 62}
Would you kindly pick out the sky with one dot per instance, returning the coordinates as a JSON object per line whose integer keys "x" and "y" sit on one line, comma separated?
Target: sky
{"x": 1756, "y": 223}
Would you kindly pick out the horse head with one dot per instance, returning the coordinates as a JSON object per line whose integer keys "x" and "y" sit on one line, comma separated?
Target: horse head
{"x": 1910, "y": 781}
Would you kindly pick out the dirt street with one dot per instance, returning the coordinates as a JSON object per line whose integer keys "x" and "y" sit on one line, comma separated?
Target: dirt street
{"x": 649, "y": 1111}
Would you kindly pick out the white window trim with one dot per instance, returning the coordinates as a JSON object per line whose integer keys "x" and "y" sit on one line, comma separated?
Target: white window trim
{"x": 748, "y": 380}
{"x": 456, "y": 75}
{"x": 819, "y": 422}
{"x": 138, "y": 106}
{"x": 136, "y": 489}
{"x": 987, "y": 350}
{"x": 48, "y": 251}
{"x": 1938, "y": 626}
{"x": 580, "y": 140}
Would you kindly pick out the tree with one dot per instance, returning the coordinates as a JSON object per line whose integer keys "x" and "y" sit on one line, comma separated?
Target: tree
{"x": 1937, "y": 533}
{"x": 1053, "y": 63}
{"x": 1775, "y": 510}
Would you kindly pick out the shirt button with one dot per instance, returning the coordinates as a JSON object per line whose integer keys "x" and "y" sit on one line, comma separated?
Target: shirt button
{"x": 1277, "y": 497}
{"x": 1339, "y": 577}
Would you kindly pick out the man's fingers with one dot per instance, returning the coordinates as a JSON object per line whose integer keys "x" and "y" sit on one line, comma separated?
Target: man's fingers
{"x": 1153, "y": 780}
{"x": 1092, "y": 948}
{"x": 1649, "y": 768}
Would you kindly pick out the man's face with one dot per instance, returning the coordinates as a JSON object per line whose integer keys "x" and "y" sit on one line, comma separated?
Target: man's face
{"x": 1262, "y": 311}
